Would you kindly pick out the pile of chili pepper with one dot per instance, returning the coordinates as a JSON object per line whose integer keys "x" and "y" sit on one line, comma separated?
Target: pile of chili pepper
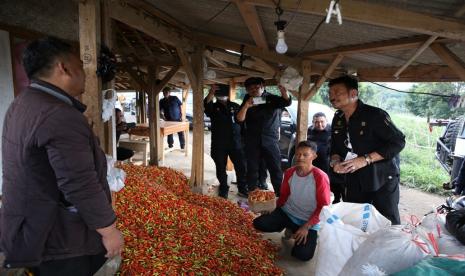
{"x": 169, "y": 230}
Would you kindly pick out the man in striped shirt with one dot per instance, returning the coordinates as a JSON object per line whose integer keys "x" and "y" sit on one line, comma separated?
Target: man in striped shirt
{"x": 304, "y": 192}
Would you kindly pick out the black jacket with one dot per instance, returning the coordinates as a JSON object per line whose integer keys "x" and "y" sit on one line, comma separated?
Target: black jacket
{"x": 322, "y": 138}
{"x": 370, "y": 129}
{"x": 55, "y": 190}
{"x": 262, "y": 122}
{"x": 226, "y": 131}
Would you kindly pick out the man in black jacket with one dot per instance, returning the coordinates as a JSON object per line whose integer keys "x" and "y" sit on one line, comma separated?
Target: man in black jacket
{"x": 226, "y": 138}
{"x": 261, "y": 111}
{"x": 364, "y": 146}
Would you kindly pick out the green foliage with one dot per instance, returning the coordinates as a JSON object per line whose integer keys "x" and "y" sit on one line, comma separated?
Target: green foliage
{"x": 435, "y": 107}
{"x": 419, "y": 167}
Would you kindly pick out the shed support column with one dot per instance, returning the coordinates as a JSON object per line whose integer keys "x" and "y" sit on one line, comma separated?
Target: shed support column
{"x": 89, "y": 40}
{"x": 156, "y": 145}
{"x": 302, "y": 109}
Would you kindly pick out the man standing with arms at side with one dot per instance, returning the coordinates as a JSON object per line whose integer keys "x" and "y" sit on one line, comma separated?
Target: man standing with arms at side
{"x": 57, "y": 217}
{"x": 226, "y": 138}
{"x": 170, "y": 106}
{"x": 364, "y": 144}
{"x": 261, "y": 111}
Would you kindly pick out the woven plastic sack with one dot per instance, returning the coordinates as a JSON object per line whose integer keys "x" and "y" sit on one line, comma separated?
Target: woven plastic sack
{"x": 362, "y": 216}
{"x": 435, "y": 267}
{"x": 391, "y": 250}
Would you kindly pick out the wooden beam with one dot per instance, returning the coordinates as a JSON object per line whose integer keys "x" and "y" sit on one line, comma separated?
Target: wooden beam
{"x": 324, "y": 77}
{"x": 185, "y": 93}
{"x": 158, "y": 87}
{"x": 194, "y": 70}
{"x": 108, "y": 38}
{"x": 129, "y": 44}
{"x": 156, "y": 144}
{"x": 89, "y": 40}
{"x": 142, "y": 41}
{"x": 137, "y": 78}
{"x": 460, "y": 12}
{"x": 250, "y": 50}
{"x": 417, "y": 53}
{"x": 232, "y": 90}
{"x": 450, "y": 59}
{"x": 379, "y": 15}
{"x": 250, "y": 17}
{"x": 148, "y": 24}
{"x": 250, "y": 63}
{"x": 418, "y": 73}
{"x": 238, "y": 71}
{"x": 302, "y": 107}
{"x": 378, "y": 46}
{"x": 208, "y": 54}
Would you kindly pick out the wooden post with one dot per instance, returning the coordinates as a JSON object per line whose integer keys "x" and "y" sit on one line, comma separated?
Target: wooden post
{"x": 185, "y": 91}
{"x": 193, "y": 66}
{"x": 108, "y": 39}
{"x": 143, "y": 109}
{"x": 302, "y": 108}
{"x": 89, "y": 40}
{"x": 154, "y": 120}
{"x": 232, "y": 90}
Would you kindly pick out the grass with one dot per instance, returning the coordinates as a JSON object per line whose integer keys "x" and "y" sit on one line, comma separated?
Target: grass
{"x": 419, "y": 167}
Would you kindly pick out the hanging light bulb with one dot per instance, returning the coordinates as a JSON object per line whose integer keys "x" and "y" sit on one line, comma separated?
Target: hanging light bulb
{"x": 281, "y": 46}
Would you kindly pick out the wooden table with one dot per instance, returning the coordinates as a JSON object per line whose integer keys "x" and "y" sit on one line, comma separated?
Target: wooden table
{"x": 166, "y": 128}
{"x": 139, "y": 145}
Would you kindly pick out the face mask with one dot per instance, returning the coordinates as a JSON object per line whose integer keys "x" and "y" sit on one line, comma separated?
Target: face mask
{"x": 222, "y": 98}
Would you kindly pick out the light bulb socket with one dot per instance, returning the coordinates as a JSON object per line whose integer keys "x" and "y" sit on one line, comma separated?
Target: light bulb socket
{"x": 280, "y": 24}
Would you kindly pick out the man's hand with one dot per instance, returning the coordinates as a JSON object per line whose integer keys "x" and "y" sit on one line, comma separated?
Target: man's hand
{"x": 283, "y": 92}
{"x": 249, "y": 102}
{"x": 351, "y": 166}
{"x": 300, "y": 235}
{"x": 112, "y": 240}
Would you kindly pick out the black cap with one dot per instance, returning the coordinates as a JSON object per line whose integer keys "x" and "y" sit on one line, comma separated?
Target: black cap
{"x": 222, "y": 90}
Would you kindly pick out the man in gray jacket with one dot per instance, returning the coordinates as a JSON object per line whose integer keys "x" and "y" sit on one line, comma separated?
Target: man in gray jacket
{"x": 56, "y": 217}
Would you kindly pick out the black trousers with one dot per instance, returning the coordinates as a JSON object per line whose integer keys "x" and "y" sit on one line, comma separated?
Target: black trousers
{"x": 385, "y": 200}
{"x": 182, "y": 141}
{"x": 77, "y": 266}
{"x": 272, "y": 157}
{"x": 262, "y": 175}
{"x": 276, "y": 221}
{"x": 123, "y": 153}
{"x": 220, "y": 157}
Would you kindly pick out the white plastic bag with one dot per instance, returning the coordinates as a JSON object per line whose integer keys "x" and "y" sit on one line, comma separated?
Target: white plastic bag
{"x": 391, "y": 250}
{"x": 336, "y": 243}
{"x": 362, "y": 216}
{"x": 291, "y": 79}
{"x": 115, "y": 176}
{"x": 108, "y": 105}
{"x": 435, "y": 222}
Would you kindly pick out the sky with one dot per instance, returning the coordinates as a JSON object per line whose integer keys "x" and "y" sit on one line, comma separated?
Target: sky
{"x": 400, "y": 85}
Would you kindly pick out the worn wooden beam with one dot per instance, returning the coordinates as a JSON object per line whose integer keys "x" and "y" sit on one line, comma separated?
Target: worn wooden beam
{"x": 249, "y": 63}
{"x": 108, "y": 38}
{"x": 193, "y": 65}
{"x": 89, "y": 40}
{"x": 142, "y": 41}
{"x": 250, "y": 50}
{"x": 417, "y": 53}
{"x": 156, "y": 144}
{"x": 370, "y": 13}
{"x": 185, "y": 93}
{"x": 251, "y": 19}
{"x": 129, "y": 45}
{"x": 232, "y": 90}
{"x": 217, "y": 62}
{"x": 417, "y": 73}
{"x": 238, "y": 71}
{"x": 324, "y": 77}
{"x": 378, "y": 46}
{"x": 149, "y": 24}
{"x": 302, "y": 107}
{"x": 163, "y": 82}
{"x": 449, "y": 58}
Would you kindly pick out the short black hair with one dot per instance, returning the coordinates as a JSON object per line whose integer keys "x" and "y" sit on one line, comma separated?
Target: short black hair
{"x": 167, "y": 89}
{"x": 307, "y": 144}
{"x": 319, "y": 114}
{"x": 349, "y": 82}
{"x": 40, "y": 54}
{"x": 117, "y": 110}
{"x": 254, "y": 81}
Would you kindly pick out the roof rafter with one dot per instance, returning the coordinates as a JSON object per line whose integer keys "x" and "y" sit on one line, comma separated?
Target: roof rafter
{"x": 250, "y": 16}
{"x": 366, "y": 12}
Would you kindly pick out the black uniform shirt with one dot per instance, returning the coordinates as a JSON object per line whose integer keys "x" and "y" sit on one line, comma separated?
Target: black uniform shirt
{"x": 369, "y": 129}
{"x": 322, "y": 139}
{"x": 226, "y": 132}
{"x": 262, "y": 121}
{"x": 171, "y": 108}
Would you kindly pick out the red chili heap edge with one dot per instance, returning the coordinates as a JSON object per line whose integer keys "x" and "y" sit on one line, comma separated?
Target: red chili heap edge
{"x": 169, "y": 230}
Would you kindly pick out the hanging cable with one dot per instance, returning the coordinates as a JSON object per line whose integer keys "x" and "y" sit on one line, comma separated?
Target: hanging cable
{"x": 407, "y": 92}
{"x": 312, "y": 35}
{"x": 217, "y": 14}
{"x": 295, "y": 12}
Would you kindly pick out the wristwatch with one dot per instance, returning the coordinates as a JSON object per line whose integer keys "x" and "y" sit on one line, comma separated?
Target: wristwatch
{"x": 368, "y": 159}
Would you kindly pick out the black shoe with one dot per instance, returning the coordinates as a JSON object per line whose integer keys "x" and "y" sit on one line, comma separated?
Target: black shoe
{"x": 243, "y": 193}
{"x": 263, "y": 186}
{"x": 182, "y": 146}
{"x": 223, "y": 194}
{"x": 170, "y": 146}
